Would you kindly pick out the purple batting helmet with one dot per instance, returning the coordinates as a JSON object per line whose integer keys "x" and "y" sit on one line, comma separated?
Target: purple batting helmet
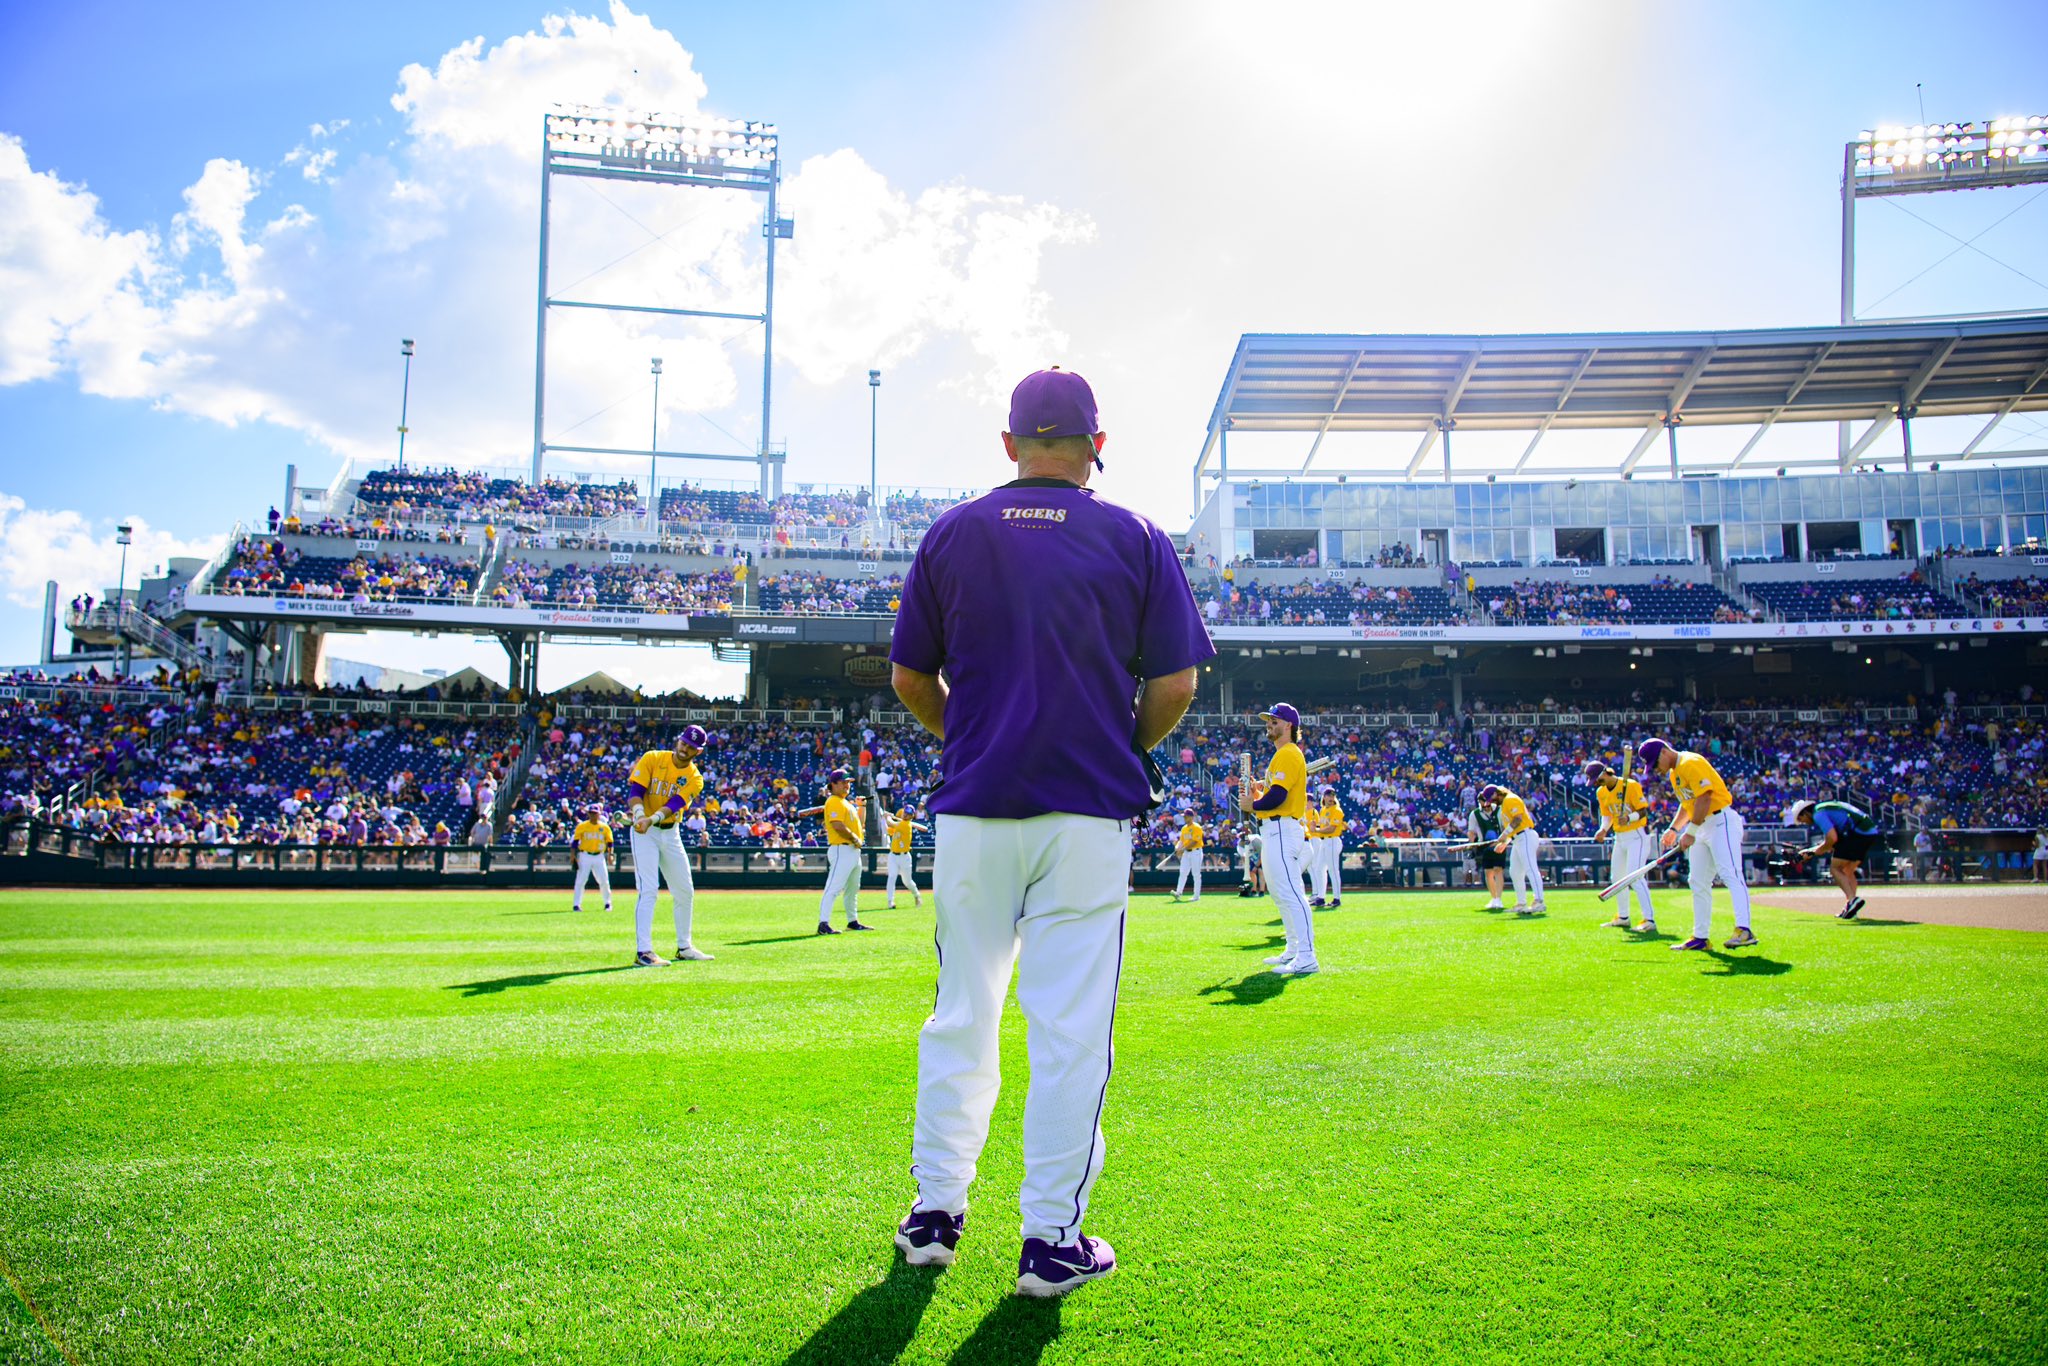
{"x": 1651, "y": 752}
{"x": 1490, "y": 795}
{"x": 837, "y": 775}
{"x": 1595, "y": 770}
{"x": 694, "y": 737}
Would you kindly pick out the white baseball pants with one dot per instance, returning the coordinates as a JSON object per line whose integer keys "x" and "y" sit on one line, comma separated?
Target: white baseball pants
{"x": 1318, "y": 869}
{"x": 1286, "y": 852}
{"x": 842, "y": 883}
{"x": 1522, "y": 868}
{"x": 1046, "y": 895}
{"x": 1190, "y": 866}
{"x": 900, "y": 870}
{"x": 1333, "y": 866}
{"x": 1716, "y": 852}
{"x": 590, "y": 866}
{"x": 658, "y": 854}
{"x": 1632, "y": 851}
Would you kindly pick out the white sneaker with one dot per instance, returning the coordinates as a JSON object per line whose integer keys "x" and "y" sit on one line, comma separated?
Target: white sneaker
{"x": 1521, "y": 908}
{"x": 691, "y": 953}
{"x": 1280, "y": 958}
{"x": 1494, "y": 905}
{"x": 1538, "y": 908}
{"x": 1300, "y": 967}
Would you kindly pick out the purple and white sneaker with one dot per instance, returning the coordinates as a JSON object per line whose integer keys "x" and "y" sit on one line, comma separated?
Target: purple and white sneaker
{"x": 1044, "y": 1271}
{"x": 1693, "y": 943}
{"x": 928, "y": 1239}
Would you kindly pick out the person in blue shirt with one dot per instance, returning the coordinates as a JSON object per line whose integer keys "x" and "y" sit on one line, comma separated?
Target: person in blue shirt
{"x": 1847, "y": 835}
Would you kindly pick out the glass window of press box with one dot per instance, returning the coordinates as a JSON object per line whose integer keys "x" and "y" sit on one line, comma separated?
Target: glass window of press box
{"x": 1645, "y": 520}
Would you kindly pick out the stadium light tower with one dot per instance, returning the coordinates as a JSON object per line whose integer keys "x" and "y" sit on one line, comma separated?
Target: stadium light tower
{"x": 874, "y": 412}
{"x": 654, "y": 454}
{"x": 123, "y": 534}
{"x": 1928, "y": 158}
{"x": 700, "y": 151}
{"x": 404, "y": 398}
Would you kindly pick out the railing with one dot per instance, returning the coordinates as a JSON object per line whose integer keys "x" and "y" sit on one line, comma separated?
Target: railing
{"x": 132, "y": 623}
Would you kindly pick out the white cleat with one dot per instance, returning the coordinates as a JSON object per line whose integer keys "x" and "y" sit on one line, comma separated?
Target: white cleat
{"x": 1494, "y": 905}
{"x": 690, "y": 953}
{"x": 1300, "y": 967}
{"x": 1280, "y": 958}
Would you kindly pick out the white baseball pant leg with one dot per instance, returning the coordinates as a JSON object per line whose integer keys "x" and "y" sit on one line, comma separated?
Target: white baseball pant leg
{"x": 1333, "y": 858}
{"x": 1047, "y": 895}
{"x": 1286, "y": 852}
{"x": 1632, "y": 851}
{"x": 1318, "y": 874}
{"x": 900, "y": 870}
{"x": 1522, "y": 866}
{"x": 658, "y": 855}
{"x": 842, "y": 883}
{"x": 1717, "y": 852}
{"x": 590, "y": 866}
{"x": 1190, "y": 866}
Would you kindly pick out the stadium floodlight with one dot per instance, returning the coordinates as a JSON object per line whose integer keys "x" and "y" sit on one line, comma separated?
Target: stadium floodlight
{"x": 404, "y": 398}
{"x": 699, "y": 151}
{"x": 654, "y": 454}
{"x": 1927, "y": 158}
{"x": 874, "y": 410}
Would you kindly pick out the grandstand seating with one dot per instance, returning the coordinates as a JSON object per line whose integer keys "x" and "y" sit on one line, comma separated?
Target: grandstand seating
{"x": 1250, "y": 602}
{"x": 1834, "y": 599}
{"x": 472, "y": 495}
{"x": 2025, "y": 596}
{"x": 814, "y": 594}
{"x": 274, "y": 568}
{"x": 1562, "y": 603}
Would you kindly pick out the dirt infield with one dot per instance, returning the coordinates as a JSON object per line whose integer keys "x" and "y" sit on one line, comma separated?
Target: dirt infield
{"x": 2012, "y": 906}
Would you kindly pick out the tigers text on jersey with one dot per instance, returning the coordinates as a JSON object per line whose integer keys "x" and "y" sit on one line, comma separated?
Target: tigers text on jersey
{"x": 667, "y": 782}
{"x": 592, "y": 836}
{"x": 1288, "y": 770}
{"x": 1693, "y": 775}
{"x": 839, "y": 812}
{"x": 1623, "y": 806}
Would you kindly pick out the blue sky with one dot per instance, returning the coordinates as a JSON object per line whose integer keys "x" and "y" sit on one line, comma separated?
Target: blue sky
{"x": 215, "y": 224}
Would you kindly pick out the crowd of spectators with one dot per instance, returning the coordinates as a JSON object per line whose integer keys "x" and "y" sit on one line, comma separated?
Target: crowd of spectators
{"x": 642, "y": 587}
{"x": 272, "y": 568}
{"x": 818, "y": 594}
{"x": 471, "y": 495}
{"x": 2019, "y": 597}
{"x": 366, "y": 528}
{"x": 1247, "y": 602}
{"x": 1552, "y": 602}
{"x": 1908, "y": 597}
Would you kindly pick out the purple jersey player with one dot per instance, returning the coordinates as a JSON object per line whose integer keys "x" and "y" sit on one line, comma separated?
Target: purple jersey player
{"x": 1069, "y": 641}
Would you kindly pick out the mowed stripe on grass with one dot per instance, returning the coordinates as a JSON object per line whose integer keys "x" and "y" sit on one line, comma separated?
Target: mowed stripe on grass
{"x": 282, "y": 1126}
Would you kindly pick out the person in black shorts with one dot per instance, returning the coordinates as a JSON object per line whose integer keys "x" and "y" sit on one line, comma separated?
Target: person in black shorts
{"x": 1847, "y": 835}
{"x": 1484, "y": 824}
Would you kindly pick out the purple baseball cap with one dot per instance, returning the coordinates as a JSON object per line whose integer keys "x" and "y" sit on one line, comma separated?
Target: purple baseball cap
{"x": 837, "y": 775}
{"x": 1595, "y": 770}
{"x": 1650, "y": 751}
{"x": 1050, "y": 403}
{"x": 1282, "y": 711}
{"x": 694, "y": 737}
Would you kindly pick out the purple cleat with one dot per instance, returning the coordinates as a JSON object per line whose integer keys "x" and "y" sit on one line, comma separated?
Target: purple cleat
{"x": 928, "y": 1239}
{"x": 1044, "y": 1271}
{"x": 1693, "y": 943}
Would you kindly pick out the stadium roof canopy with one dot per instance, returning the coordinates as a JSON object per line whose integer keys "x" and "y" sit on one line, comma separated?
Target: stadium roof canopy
{"x": 1432, "y": 384}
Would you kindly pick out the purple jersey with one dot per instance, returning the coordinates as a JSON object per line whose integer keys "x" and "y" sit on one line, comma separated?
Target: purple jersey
{"x": 1045, "y": 605}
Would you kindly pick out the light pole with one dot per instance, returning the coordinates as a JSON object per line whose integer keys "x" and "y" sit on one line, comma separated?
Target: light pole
{"x": 404, "y": 398}
{"x": 874, "y": 408}
{"x": 654, "y": 445}
{"x": 123, "y": 534}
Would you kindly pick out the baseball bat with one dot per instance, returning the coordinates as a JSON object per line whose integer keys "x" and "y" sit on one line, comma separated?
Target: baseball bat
{"x": 1629, "y": 879}
{"x": 1318, "y": 765}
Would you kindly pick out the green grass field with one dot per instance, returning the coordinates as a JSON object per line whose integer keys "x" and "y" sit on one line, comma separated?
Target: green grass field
{"x": 341, "y": 1127}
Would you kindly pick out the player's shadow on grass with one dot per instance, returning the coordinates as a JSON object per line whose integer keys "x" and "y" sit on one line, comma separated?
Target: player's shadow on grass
{"x": 494, "y": 985}
{"x": 1014, "y": 1333}
{"x": 878, "y": 1323}
{"x": 1745, "y": 965}
{"x": 1271, "y": 941}
{"x": 778, "y": 939}
{"x": 1254, "y": 989}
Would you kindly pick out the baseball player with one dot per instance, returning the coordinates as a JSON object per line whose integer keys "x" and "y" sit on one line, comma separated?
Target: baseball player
{"x": 1069, "y": 643}
{"x": 1518, "y": 840}
{"x": 1188, "y": 844}
{"x": 1625, "y": 812}
{"x": 1329, "y": 821}
{"x": 1281, "y": 803}
{"x": 1483, "y": 824}
{"x": 842, "y": 854}
{"x": 1253, "y": 845}
{"x": 664, "y": 783}
{"x": 1847, "y": 834}
{"x": 593, "y": 837}
{"x": 901, "y": 829}
{"x": 1709, "y": 829}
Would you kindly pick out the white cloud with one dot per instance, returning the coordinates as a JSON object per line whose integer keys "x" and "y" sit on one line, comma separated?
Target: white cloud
{"x": 434, "y": 239}
{"x": 38, "y": 544}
